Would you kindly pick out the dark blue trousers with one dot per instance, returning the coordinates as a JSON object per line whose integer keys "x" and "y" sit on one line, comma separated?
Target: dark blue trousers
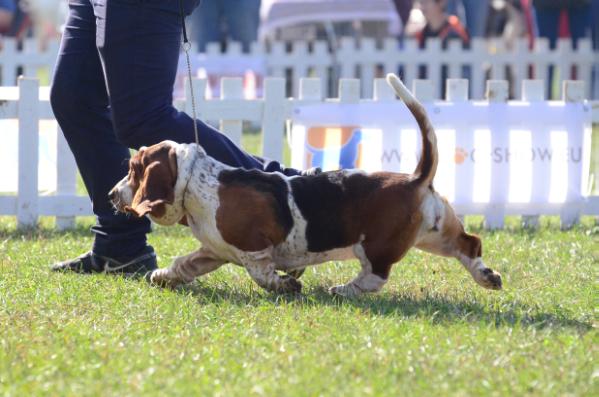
{"x": 112, "y": 90}
{"x": 579, "y": 20}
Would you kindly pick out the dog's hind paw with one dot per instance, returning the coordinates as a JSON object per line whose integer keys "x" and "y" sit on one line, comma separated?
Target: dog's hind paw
{"x": 346, "y": 290}
{"x": 490, "y": 279}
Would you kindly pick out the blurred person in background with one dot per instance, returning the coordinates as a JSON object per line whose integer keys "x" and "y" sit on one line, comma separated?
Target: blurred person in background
{"x": 554, "y": 15}
{"x": 440, "y": 25}
{"x": 46, "y": 17}
{"x": 512, "y": 20}
{"x": 595, "y": 32}
{"x": 219, "y": 21}
{"x": 8, "y": 8}
{"x": 475, "y": 13}
{"x": 595, "y": 23}
{"x": 21, "y": 26}
{"x": 404, "y": 7}
{"x": 444, "y": 27}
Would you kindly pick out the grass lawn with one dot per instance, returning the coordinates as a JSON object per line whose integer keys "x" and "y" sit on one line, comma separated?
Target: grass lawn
{"x": 431, "y": 331}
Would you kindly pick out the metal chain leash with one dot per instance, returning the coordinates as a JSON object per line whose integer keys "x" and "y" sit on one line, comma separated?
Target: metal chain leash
{"x": 186, "y": 47}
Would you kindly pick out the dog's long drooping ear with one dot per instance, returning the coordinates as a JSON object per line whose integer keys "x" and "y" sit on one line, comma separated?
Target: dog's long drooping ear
{"x": 157, "y": 187}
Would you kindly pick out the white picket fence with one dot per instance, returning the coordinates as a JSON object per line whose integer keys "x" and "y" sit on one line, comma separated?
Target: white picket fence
{"x": 29, "y": 104}
{"x": 486, "y": 59}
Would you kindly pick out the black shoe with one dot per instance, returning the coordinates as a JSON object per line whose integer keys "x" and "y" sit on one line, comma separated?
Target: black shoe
{"x": 311, "y": 171}
{"x": 91, "y": 263}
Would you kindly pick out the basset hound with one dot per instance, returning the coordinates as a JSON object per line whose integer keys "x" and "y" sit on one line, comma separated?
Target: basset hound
{"x": 268, "y": 222}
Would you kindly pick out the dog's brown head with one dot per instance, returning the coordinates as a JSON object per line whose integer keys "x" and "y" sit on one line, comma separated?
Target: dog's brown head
{"x": 149, "y": 187}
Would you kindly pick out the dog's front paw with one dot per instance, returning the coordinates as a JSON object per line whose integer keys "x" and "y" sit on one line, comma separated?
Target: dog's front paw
{"x": 490, "y": 279}
{"x": 159, "y": 278}
{"x": 289, "y": 285}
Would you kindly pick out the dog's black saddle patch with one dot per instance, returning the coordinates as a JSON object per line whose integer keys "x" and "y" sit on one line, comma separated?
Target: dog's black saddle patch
{"x": 326, "y": 201}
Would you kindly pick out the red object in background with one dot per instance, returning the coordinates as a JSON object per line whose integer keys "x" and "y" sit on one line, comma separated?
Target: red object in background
{"x": 530, "y": 23}
{"x": 563, "y": 31}
{"x": 563, "y": 25}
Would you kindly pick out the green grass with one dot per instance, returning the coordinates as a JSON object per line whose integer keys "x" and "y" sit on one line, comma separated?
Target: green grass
{"x": 431, "y": 331}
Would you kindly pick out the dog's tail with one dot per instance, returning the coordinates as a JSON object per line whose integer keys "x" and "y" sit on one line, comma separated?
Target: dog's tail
{"x": 427, "y": 166}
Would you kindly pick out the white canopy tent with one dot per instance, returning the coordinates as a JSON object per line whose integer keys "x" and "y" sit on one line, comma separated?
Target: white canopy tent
{"x": 280, "y": 14}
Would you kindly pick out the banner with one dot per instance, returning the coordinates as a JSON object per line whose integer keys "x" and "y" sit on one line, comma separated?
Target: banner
{"x": 515, "y": 152}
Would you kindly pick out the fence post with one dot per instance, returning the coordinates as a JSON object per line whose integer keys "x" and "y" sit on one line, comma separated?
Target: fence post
{"x": 497, "y": 92}
{"x": 349, "y": 90}
{"x": 519, "y": 66}
{"x": 572, "y": 92}
{"x": 456, "y": 90}
{"x": 320, "y": 51}
{"x": 423, "y": 90}
{"x": 454, "y": 56}
{"x": 8, "y": 56}
{"x": 382, "y": 91}
{"x": 273, "y": 118}
{"x": 534, "y": 91}
{"x": 369, "y": 51}
{"x": 541, "y": 63}
{"x": 28, "y": 111}
{"x": 410, "y": 53}
{"x": 66, "y": 177}
{"x": 310, "y": 89}
{"x": 199, "y": 94}
{"x": 232, "y": 88}
{"x": 480, "y": 55}
{"x": 310, "y": 92}
{"x": 433, "y": 65}
{"x": 298, "y": 68}
{"x": 31, "y": 46}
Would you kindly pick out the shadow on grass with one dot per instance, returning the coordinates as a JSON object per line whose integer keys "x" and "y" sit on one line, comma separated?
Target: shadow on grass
{"x": 438, "y": 310}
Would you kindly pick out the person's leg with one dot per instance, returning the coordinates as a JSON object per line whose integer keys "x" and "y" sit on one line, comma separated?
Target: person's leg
{"x": 452, "y": 7}
{"x": 547, "y": 22}
{"x": 579, "y": 19}
{"x": 595, "y": 25}
{"x": 206, "y": 24}
{"x": 80, "y": 104}
{"x": 243, "y": 18}
{"x": 477, "y": 12}
{"x": 139, "y": 49}
{"x": 595, "y": 30}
